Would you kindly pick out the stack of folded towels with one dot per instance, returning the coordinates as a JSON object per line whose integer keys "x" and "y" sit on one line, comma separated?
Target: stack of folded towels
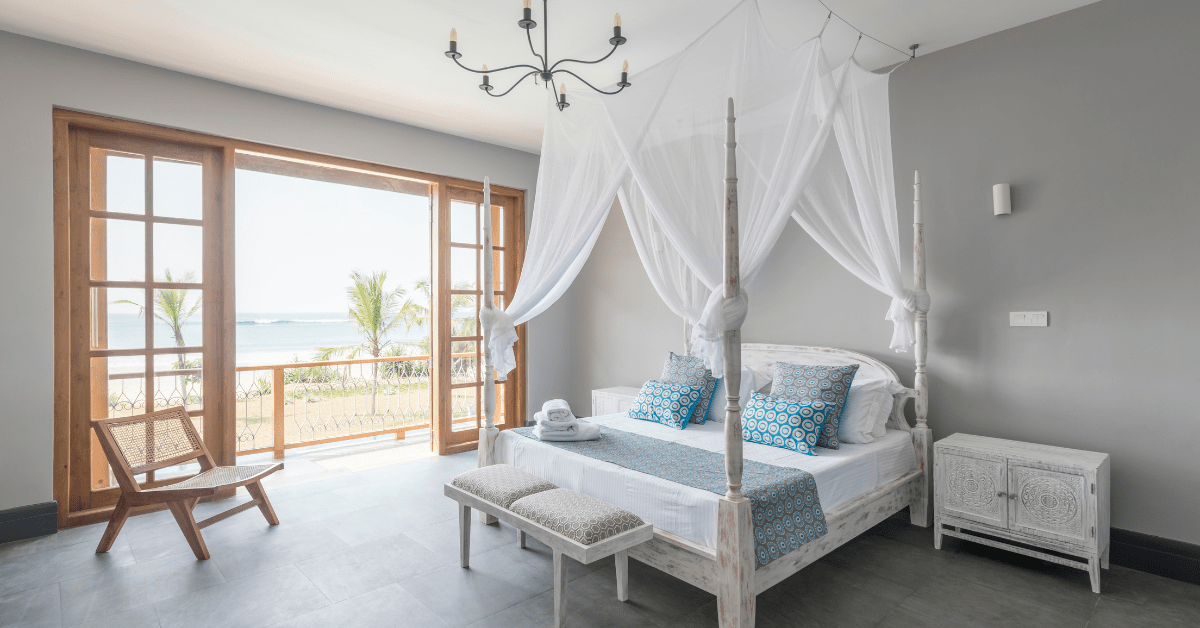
{"x": 556, "y": 423}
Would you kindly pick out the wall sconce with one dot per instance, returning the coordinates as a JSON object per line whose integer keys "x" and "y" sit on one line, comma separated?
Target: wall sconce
{"x": 1001, "y": 199}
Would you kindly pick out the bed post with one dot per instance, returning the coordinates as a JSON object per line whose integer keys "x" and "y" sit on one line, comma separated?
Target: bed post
{"x": 921, "y": 509}
{"x": 735, "y": 531}
{"x": 488, "y": 433}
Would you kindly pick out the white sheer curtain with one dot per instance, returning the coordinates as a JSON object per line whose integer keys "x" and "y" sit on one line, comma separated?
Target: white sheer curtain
{"x": 580, "y": 172}
{"x": 660, "y": 145}
{"x": 671, "y": 131}
{"x": 849, "y": 206}
{"x": 680, "y": 288}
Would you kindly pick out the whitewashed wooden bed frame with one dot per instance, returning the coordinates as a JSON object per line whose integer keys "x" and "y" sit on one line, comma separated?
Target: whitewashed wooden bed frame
{"x": 729, "y": 571}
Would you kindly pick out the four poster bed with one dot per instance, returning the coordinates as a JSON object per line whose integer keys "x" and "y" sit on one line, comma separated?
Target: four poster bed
{"x": 706, "y": 539}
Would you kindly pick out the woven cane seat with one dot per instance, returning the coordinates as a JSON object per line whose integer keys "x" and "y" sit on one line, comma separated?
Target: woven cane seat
{"x": 216, "y": 477}
{"x": 576, "y": 516}
{"x": 501, "y": 484}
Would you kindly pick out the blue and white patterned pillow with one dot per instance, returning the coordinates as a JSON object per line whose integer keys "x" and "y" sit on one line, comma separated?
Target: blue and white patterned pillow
{"x": 690, "y": 371}
{"x": 780, "y": 422}
{"x": 669, "y": 404}
{"x": 830, "y": 384}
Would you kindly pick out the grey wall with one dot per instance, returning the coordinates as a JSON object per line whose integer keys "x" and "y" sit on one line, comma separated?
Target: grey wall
{"x": 1094, "y": 117}
{"x": 35, "y": 76}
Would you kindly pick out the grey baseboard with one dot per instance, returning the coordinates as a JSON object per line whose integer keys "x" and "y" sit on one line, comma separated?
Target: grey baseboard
{"x": 1152, "y": 554}
{"x": 26, "y": 522}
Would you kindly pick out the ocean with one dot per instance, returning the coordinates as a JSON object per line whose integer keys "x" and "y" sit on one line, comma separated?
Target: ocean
{"x": 262, "y": 338}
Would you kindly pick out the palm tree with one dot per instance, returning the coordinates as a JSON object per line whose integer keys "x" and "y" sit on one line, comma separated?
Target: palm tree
{"x": 171, "y": 307}
{"x": 374, "y": 311}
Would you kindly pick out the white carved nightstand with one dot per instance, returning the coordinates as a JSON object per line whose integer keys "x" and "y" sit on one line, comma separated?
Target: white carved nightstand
{"x": 1051, "y": 498}
{"x": 612, "y": 400}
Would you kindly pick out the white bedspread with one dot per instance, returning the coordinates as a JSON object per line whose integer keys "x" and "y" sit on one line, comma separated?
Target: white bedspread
{"x": 841, "y": 475}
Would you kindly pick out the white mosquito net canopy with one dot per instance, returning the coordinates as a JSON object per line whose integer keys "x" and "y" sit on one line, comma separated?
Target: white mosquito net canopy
{"x": 813, "y": 144}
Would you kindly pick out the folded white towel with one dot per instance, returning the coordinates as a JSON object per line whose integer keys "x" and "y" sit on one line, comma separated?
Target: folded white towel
{"x": 557, "y": 410}
{"x": 547, "y": 424}
{"x": 582, "y": 431}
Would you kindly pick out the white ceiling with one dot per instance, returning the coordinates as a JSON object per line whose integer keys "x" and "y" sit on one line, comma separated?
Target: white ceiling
{"x": 384, "y": 58}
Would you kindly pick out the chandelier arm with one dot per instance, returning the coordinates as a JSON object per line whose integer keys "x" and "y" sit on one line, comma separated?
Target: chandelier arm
{"x": 610, "y": 53}
{"x": 587, "y": 83}
{"x": 493, "y": 71}
{"x": 531, "y": 49}
{"x": 514, "y": 85}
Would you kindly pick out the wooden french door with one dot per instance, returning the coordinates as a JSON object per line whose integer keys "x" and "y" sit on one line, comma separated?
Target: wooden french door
{"x": 458, "y": 346}
{"x": 134, "y": 201}
{"x": 144, "y": 284}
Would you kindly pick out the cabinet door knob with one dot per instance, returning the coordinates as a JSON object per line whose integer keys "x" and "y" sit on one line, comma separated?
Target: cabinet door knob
{"x": 1001, "y": 494}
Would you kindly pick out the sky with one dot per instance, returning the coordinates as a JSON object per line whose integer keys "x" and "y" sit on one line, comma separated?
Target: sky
{"x": 296, "y": 240}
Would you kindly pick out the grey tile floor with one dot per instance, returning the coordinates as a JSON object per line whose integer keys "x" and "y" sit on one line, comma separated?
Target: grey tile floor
{"x": 378, "y": 547}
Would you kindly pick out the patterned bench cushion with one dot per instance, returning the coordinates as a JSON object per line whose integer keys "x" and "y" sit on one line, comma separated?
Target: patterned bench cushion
{"x": 501, "y": 484}
{"x": 576, "y": 516}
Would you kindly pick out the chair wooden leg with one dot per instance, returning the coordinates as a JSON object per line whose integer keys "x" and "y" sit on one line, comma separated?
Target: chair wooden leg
{"x": 521, "y": 540}
{"x": 256, "y": 491}
{"x": 119, "y": 516}
{"x": 187, "y": 523}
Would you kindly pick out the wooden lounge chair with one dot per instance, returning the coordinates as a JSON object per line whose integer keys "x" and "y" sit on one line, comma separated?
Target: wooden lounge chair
{"x": 135, "y": 445}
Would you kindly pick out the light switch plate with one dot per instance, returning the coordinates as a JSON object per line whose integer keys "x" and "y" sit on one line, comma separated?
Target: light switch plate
{"x": 1028, "y": 319}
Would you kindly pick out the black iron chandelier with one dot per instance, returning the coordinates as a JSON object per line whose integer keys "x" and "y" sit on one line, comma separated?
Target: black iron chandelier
{"x": 547, "y": 71}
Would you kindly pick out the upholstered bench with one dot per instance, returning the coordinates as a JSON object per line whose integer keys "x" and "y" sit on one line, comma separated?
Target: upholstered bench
{"x": 571, "y": 524}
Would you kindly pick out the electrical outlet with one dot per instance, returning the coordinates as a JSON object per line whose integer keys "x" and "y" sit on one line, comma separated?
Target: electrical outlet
{"x": 1028, "y": 319}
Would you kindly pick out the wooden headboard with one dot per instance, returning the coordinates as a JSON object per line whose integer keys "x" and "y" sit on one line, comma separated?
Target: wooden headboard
{"x": 762, "y": 357}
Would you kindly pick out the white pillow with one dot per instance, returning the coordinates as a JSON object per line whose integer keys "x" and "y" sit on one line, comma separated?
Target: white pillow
{"x": 881, "y": 423}
{"x": 752, "y": 380}
{"x": 868, "y": 406}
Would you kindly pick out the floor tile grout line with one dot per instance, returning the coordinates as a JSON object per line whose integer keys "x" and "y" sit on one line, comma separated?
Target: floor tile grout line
{"x": 62, "y": 611}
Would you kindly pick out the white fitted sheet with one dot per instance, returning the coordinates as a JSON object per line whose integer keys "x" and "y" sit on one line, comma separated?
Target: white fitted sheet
{"x": 842, "y": 474}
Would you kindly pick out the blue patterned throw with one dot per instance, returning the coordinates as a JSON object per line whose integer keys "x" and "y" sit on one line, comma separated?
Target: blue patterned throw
{"x": 783, "y": 502}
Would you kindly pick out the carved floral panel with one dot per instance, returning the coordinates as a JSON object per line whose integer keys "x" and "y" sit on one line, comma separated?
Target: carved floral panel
{"x": 974, "y": 488}
{"x": 1049, "y": 501}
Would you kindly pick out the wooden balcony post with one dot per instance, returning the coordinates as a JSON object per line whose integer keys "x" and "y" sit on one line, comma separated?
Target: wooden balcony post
{"x": 277, "y": 413}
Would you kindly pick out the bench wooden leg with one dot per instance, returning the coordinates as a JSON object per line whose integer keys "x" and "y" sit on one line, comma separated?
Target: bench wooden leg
{"x": 183, "y": 516}
{"x": 622, "y": 560}
{"x": 521, "y": 540}
{"x": 256, "y": 491}
{"x": 560, "y": 589}
{"x": 464, "y": 535}
{"x": 119, "y": 516}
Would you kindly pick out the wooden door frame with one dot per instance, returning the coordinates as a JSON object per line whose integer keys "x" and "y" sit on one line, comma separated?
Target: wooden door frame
{"x": 219, "y": 304}
{"x": 445, "y": 440}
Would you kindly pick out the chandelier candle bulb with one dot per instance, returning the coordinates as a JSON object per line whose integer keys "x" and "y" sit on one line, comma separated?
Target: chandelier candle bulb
{"x": 624, "y": 75}
{"x": 562, "y": 97}
{"x": 453, "y": 51}
{"x": 487, "y": 85}
{"x": 617, "y": 39}
{"x": 526, "y": 17}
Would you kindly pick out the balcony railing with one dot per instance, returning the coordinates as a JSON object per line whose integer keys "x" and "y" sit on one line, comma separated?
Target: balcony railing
{"x": 299, "y": 404}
